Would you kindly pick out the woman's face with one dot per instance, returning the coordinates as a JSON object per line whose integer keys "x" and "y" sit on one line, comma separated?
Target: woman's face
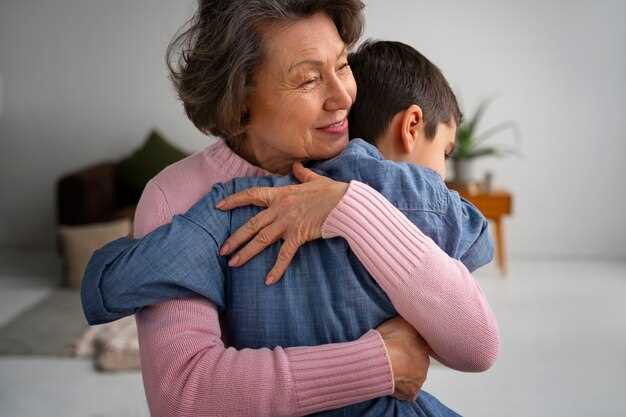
{"x": 302, "y": 93}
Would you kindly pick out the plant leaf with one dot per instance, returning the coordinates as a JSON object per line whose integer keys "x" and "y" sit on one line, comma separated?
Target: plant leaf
{"x": 472, "y": 123}
{"x": 477, "y": 153}
{"x": 468, "y": 143}
{"x": 492, "y": 151}
{"x": 504, "y": 126}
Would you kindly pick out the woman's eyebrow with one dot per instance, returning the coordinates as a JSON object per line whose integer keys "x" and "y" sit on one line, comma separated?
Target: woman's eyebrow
{"x": 313, "y": 62}
{"x": 316, "y": 62}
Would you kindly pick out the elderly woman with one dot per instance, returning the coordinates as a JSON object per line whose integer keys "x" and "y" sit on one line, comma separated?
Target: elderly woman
{"x": 271, "y": 79}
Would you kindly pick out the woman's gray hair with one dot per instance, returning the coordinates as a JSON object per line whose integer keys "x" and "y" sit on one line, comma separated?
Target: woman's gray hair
{"x": 212, "y": 59}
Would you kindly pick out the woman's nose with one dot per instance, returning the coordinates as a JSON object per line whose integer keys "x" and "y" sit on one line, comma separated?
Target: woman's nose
{"x": 339, "y": 97}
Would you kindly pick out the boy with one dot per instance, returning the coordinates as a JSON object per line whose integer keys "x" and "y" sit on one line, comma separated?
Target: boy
{"x": 405, "y": 106}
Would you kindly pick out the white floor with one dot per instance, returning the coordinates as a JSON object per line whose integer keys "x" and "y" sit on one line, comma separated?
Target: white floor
{"x": 563, "y": 327}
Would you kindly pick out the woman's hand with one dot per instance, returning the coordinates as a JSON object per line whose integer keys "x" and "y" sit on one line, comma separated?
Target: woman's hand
{"x": 294, "y": 213}
{"x": 409, "y": 356}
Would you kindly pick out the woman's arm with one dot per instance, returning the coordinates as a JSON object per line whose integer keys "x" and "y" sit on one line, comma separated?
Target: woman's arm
{"x": 429, "y": 289}
{"x": 187, "y": 370}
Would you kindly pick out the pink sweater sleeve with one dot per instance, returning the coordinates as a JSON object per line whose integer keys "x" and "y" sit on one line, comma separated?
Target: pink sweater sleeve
{"x": 429, "y": 289}
{"x": 187, "y": 370}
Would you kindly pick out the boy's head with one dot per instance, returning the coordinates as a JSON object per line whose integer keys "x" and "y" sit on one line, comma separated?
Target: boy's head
{"x": 404, "y": 104}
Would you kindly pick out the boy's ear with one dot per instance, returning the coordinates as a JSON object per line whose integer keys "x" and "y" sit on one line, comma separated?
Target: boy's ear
{"x": 412, "y": 121}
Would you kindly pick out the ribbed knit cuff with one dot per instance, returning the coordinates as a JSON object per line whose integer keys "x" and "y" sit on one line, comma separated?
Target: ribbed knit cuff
{"x": 379, "y": 234}
{"x": 340, "y": 374}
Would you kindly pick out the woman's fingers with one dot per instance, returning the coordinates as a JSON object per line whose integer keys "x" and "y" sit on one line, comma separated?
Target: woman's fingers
{"x": 296, "y": 214}
{"x": 287, "y": 251}
{"x": 247, "y": 231}
{"x": 258, "y": 196}
{"x": 263, "y": 239}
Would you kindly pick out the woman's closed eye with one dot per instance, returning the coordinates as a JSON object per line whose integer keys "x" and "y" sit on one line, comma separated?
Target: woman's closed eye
{"x": 343, "y": 67}
{"x": 309, "y": 83}
{"x": 312, "y": 81}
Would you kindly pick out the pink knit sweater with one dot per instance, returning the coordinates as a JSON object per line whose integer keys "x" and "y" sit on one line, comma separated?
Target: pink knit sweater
{"x": 188, "y": 370}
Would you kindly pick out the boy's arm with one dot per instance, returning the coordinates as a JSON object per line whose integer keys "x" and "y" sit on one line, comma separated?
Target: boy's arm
{"x": 476, "y": 245}
{"x": 177, "y": 260}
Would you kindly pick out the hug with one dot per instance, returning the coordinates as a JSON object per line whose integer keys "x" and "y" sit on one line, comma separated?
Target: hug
{"x": 338, "y": 261}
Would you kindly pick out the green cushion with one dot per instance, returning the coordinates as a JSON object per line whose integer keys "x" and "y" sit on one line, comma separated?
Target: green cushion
{"x": 155, "y": 154}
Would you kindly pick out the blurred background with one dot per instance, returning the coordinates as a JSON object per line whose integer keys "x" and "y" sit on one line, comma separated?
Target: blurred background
{"x": 86, "y": 109}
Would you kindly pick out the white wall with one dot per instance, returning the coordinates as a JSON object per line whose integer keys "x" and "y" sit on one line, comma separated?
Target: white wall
{"x": 84, "y": 81}
{"x": 559, "y": 69}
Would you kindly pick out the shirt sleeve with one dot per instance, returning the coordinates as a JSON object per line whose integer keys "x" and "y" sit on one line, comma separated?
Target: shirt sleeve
{"x": 475, "y": 247}
{"x": 432, "y": 291}
{"x": 187, "y": 370}
{"x": 179, "y": 259}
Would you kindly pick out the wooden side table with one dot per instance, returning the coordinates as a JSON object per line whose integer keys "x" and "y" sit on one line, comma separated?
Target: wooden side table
{"x": 494, "y": 206}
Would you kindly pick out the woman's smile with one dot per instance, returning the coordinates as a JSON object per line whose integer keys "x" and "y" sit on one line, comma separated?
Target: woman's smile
{"x": 337, "y": 128}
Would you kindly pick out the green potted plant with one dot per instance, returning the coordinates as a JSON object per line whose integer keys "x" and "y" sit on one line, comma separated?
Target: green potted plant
{"x": 470, "y": 144}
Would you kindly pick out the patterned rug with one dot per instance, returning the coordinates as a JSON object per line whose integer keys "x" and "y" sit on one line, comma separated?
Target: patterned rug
{"x": 56, "y": 327}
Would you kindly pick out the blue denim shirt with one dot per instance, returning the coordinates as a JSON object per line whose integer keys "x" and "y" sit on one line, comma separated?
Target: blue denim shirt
{"x": 326, "y": 295}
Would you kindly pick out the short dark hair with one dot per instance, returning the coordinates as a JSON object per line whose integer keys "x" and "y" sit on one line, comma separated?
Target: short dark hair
{"x": 390, "y": 77}
{"x": 212, "y": 60}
